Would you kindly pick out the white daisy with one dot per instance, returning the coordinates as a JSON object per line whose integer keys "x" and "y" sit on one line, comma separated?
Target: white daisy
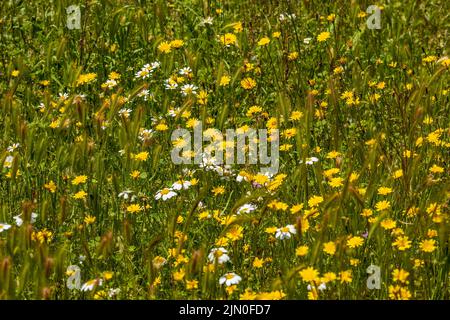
{"x": 155, "y": 65}
{"x": 91, "y": 284}
{"x": 185, "y": 71}
{"x": 220, "y": 254}
{"x": 19, "y": 220}
{"x": 246, "y": 208}
{"x": 207, "y": 20}
{"x": 13, "y": 147}
{"x": 145, "y": 134}
{"x": 170, "y": 84}
{"x": 113, "y": 292}
{"x": 321, "y": 287}
{"x": 285, "y": 232}
{"x": 145, "y": 72}
{"x": 181, "y": 184}
{"x": 4, "y": 226}
{"x": 173, "y": 112}
{"x": 111, "y": 83}
{"x": 126, "y": 194}
{"x": 144, "y": 93}
{"x": 229, "y": 279}
{"x": 125, "y": 112}
{"x": 8, "y": 162}
{"x": 188, "y": 89}
{"x": 165, "y": 194}
{"x": 63, "y": 96}
{"x": 310, "y": 161}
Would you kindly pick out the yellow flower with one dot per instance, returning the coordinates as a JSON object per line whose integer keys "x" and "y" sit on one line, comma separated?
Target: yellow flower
{"x": 329, "y": 247}
{"x": 323, "y": 36}
{"x": 42, "y": 236}
{"x": 161, "y": 127}
{"x": 141, "y": 156}
{"x": 428, "y": 245}
{"x": 79, "y": 180}
{"x": 362, "y": 14}
{"x": 309, "y": 274}
{"x": 338, "y": 70}
{"x": 135, "y": 174}
{"x": 15, "y": 73}
{"x": 237, "y": 27}
{"x": 346, "y": 276}
{"x": 329, "y": 277}
{"x": 400, "y": 275}
{"x": 436, "y": 169}
{"x": 330, "y": 172}
{"x": 260, "y": 179}
{"x": 224, "y": 81}
{"x": 336, "y": 182}
{"x": 399, "y": 293}
{"x": 382, "y": 205}
{"x": 253, "y": 110}
{"x": 114, "y": 75}
{"x": 248, "y": 83}
{"x": 80, "y": 195}
{"x": 355, "y": 242}
{"x": 89, "y": 219}
{"x": 230, "y": 289}
{"x": 228, "y": 38}
{"x": 289, "y": 133}
{"x": 384, "y": 190}
{"x": 388, "y": 224}
{"x": 398, "y": 174}
{"x": 258, "y": 263}
{"x": 177, "y": 43}
{"x": 333, "y": 154}
{"x": 191, "y": 284}
{"x": 179, "y": 275}
{"x": 86, "y": 78}
{"x": 296, "y": 115}
{"x": 296, "y": 208}
{"x": 418, "y": 263}
{"x": 402, "y": 243}
{"x": 263, "y": 41}
{"x": 50, "y": 186}
{"x": 235, "y": 233}
{"x": 247, "y": 295}
{"x": 165, "y": 47}
{"x": 218, "y": 190}
{"x": 271, "y": 230}
{"x": 132, "y": 208}
{"x": 429, "y": 59}
{"x": 301, "y": 251}
{"x": 366, "y": 213}
{"x": 354, "y": 262}
{"x": 314, "y": 201}
{"x": 107, "y": 275}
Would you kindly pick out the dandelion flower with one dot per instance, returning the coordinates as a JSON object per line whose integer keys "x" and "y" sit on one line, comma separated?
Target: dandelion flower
{"x": 323, "y": 36}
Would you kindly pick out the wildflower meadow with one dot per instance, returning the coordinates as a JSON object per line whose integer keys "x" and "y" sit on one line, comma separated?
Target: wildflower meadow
{"x": 204, "y": 149}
